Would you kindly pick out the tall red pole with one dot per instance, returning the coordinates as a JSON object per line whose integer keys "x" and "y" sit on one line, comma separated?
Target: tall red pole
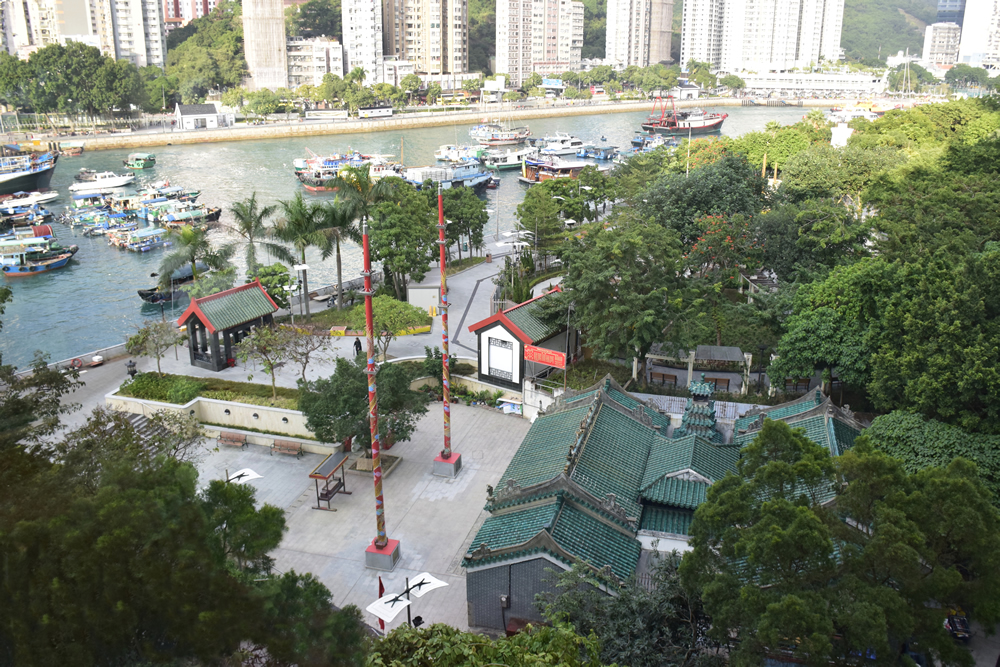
{"x": 446, "y": 376}
{"x": 381, "y": 539}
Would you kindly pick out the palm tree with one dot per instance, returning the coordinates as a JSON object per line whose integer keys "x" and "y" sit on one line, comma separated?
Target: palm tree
{"x": 250, "y": 226}
{"x": 337, "y": 220}
{"x": 300, "y": 227}
{"x": 191, "y": 246}
{"x": 359, "y": 192}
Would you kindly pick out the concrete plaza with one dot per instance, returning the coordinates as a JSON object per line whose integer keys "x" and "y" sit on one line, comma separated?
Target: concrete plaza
{"x": 434, "y": 518}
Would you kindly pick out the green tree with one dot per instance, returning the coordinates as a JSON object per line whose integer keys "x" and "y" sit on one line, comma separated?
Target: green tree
{"x": 391, "y": 318}
{"x": 235, "y": 98}
{"x": 191, "y": 247}
{"x": 208, "y": 53}
{"x": 301, "y": 227}
{"x": 211, "y": 283}
{"x": 843, "y": 174}
{"x": 320, "y": 17}
{"x": 154, "y": 340}
{"x": 410, "y": 84}
{"x": 337, "y": 219}
{"x": 269, "y": 346}
{"x": 433, "y": 92}
{"x": 964, "y": 75}
{"x": 263, "y": 102}
{"x": 538, "y": 215}
{"x": 402, "y": 236}
{"x": 243, "y": 533}
{"x": 662, "y": 623}
{"x": 444, "y": 646}
{"x": 250, "y": 227}
{"x": 785, "y": 572}
{"x": 733, "y": 82}
{"x": 336, "y": 408}
{"x": 625, "y": 287}
{"x": 274, "y": 279}
{"x": 305, "y": 347}
{"x": 465, "y": 214}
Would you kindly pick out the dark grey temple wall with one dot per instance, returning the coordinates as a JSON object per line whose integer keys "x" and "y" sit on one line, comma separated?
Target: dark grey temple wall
{"x": 521, "y": 581}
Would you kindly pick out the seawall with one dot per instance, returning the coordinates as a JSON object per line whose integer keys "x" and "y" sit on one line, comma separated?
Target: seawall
{"x": 401, "y": 122}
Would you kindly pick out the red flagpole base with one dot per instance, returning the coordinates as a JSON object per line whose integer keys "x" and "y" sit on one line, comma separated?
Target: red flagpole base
{"x": 448, "y": 467}
{"x": 382, "y": 558}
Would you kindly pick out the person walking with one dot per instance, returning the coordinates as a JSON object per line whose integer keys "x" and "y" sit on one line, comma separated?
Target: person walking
{"x": 357, "y": 346}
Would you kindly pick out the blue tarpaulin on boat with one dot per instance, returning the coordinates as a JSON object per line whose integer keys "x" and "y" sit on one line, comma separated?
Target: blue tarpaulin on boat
{"x": 118, "y": 215}
{"x": 158, "y": 200}
{"x": 149, "y": 231}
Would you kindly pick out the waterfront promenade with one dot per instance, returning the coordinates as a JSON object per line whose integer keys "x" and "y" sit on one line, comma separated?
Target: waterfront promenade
{"x": 414, "y": 120}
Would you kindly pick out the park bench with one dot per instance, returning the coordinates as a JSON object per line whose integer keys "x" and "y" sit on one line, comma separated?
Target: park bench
{"x": 721, "y": 384}
{"x": 663, "y": 379}
{"x": 287, "y": 447}
{"x": 233, "y": 439}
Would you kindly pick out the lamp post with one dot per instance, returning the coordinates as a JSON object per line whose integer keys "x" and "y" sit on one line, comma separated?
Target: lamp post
{"x": 291, "y": 311}
{"x": 760, "y": 368}
{"x": 130, "y": 368}
{"x": 299, "y": 270}
{"x": 448, "y": 463}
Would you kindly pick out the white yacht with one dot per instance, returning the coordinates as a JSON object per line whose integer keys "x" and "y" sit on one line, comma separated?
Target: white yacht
{"x": 560, "y": 143}
{"x": 103, "y": 181}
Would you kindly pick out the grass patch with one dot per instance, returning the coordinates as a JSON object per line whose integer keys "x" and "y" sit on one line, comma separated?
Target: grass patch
{"x": 331, "y": 317}
{"x": 230, "y": 427}
{"x": 462, "y": 264}
{"x": 180, "y": 389}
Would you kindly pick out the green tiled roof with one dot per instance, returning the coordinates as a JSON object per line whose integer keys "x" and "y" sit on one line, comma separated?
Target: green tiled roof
{"x": 676, "y": 492}
{"x": 613, "y": 458}
{"x": 542, "y": 454}
{"x": 507, "y": 530}
{"x": 526, "y": 317}
{"x": 846, "y": 435}
{"x": 659, "y": 419}
{"x": 690, "y": 452}
{"x": 233, "y": 307}
{"x": 785, "y": 410}
{"x": 591, "y": 540}
{"x": 666, "y": 520}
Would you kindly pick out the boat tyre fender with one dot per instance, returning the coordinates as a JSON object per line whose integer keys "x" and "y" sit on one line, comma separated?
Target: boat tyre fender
{"x": 76, "y": 363}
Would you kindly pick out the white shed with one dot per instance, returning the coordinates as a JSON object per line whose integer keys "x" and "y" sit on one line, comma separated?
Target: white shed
{"x": 202, "y": 116}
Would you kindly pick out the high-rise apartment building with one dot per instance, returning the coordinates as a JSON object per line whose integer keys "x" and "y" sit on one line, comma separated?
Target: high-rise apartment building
{"x": 941, "y": 44}
{"x": 29, "y": 25}
{"x": 702, "y": 31}
{"x": 544, "y": 36}
{"x": 557, "y": 36}
{"x": 187, "y": 10}
{"x": 362, "y": 24}
{"x": 138, "y": 30}
{"x": 515, "y": 32}
{"x": 432, "y": 34}
{"x": 761, "y": 35}
{"x": 264, "y": 43}
{"x": 951, "y": 11}
{"x": 627, "y": 38}
{"x": 980, "y": 45}
{"x": 309, "y": 60}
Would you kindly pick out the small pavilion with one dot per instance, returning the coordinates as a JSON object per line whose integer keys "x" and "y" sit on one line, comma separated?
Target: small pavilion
{"x": 233, "y": 314}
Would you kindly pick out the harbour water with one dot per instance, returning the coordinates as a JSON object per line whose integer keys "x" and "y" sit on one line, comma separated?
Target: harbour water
{"x": 93, "y": 304}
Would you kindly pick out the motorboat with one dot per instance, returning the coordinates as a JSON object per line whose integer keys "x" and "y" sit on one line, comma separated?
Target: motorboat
{"x": 560, "y": 143}
{"x": 29, "y": 198}
{"x": 508, "y": 158}
{"x": 105, "y": 180}
{"x": 473, "y": 176}
{"x": 457, "y": 154}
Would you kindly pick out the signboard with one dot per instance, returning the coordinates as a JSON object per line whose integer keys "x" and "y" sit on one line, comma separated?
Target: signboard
{"x": 551, "y": 83}
{"x": 540, "y": 355}
{"x": 496, "y": 86}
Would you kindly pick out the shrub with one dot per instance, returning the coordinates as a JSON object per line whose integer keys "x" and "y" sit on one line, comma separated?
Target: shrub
{"x": 184, "y": 390}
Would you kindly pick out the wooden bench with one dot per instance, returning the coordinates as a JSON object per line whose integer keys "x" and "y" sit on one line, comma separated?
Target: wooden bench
{"x": 662, "y": 379}
{"x": 233, "y": 439}
{"x": 721, "y": 384}
{"x": 287, "y": 447}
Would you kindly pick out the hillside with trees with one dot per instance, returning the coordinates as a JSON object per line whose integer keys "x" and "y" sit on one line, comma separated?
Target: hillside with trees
{"x": 874, "y": 29}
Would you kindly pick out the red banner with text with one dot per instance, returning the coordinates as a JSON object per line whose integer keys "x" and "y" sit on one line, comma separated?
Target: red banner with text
{"x": 542, "y": 356}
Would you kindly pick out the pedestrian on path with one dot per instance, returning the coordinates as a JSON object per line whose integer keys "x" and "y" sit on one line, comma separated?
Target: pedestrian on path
{"x": 357, "y": 346}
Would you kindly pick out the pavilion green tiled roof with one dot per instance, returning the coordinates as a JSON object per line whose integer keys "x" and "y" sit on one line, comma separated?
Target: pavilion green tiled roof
{"x": 591, "y": 540}
{"x": 613, "y": 458}
{"x": 846, "y": 435}
{"x": 231, "y": 307}
{"x": 691, "y": 452}
{"x": 509, "y": 529}
{"x": 527, "y": 318}
{"x": 798, "y": 406}
{"x": 542, "y": 454}
{"x": 675, "y": 492}
{"x": 666, "y": 520}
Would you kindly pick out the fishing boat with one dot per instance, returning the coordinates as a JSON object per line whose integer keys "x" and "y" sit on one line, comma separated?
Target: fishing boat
{"x": 140, "y": 161}
{"x": 71, "y": 148}
{"x": 457, "y": 154}
{"x": 166, "y": 294}
{"x": 140, "y": 240}
{"x": 85, "y": 175}
{"x": 103, "y": 181}
{"x": 26, "y": 173}
{"x": 499, "y": 134}
{"x": 464, "y": 175}
{"x": 602, "y": 153}
{"x": 319, "y": 179}
{"x": 89, "y": 200}
{"x": 28, "y": 257}
{"x": 670, "y": 122}
{"x": 29, "y": 198}
{"x": 508, "y": 158}
{"x": 188, "y": 213}
{"x": 333, "y": 161}
{"x": 23, "y": 215}
{"x": 538, "y": 170}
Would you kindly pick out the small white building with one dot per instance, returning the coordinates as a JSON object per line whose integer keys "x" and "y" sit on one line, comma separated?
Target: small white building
{"x": 807, "y": 84}
{"x": 686, "y": 91}
{"x": 201, "y": 117}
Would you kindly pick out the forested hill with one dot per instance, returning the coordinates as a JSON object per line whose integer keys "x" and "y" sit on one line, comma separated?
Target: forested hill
{"x": 892, "y": 25}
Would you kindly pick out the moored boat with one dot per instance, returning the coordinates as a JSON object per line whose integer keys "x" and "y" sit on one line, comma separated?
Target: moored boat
{"x": 26, "y": 173}
{"x": 671, "y": 122}
{"x": 538, "y": 170}
{"x": 140, "y": 161}
{"x": 103, "y": 181}
{"x": 457, "y": 154}
{"x": 29, "y": 198}
{"x": 508, "y": 158}
{"x": 465, "y": 175}
{"x": 28, "y": 257}
{"x": 560, "y": 143}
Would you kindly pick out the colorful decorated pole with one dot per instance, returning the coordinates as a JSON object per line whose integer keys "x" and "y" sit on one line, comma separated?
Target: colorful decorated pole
{"x": 381, "y": 539}
{"x": 446, "y": 377}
